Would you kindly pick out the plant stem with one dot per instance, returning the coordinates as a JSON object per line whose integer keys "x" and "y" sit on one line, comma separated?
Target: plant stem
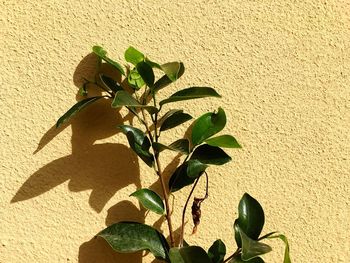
{"x": 233, "y": 255}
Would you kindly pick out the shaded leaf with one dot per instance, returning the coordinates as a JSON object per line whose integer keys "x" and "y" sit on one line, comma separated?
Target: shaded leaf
{"x": 207, "y": 125}
{"x": 110, "y": 83}
{"x": 127, "y": 237}
{"x": 133, "y": 56}
{"x": 252, "y": 248}
{"x": 102, "y": 53}
{"x": 238, "y": 259}
{"x": 172, "y": 70}
{"x": 139, "y": 143}
{"x": 217, "y": 251}
{"x": 181, "y": 145}
{"x": 226, "y": 141}
{"x": 123, "y": 98}
{"x": 191, "y": 254}
{"x": 210, "y": 155}
{"x": 175, "y": 119}
{"x": 75, "y": 109}
{"x": 195, "y": 168}
{"x": 286, "y": 250}
{"x": 191, "y": 93}
{"x": 150, "y": 200}
{"x": 250, "y": 219}
{"x": 152, "y": 63}
{"x": 146, "y": 72}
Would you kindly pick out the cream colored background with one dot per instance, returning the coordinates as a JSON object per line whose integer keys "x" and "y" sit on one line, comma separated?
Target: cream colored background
{"x": 283, "y": 68}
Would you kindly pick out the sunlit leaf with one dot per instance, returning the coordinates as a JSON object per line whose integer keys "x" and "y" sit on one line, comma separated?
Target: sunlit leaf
{"x": 252, "y": 248}
{"x": 133, "y": 56}
{"x": 76, "y": 108}
{"x": 286, "y": 250}
{"x": 127, "y": 237}
{"x": 99, "y": 51}
{"x": 172, "y": 70}
{"x": 123, "y": 98}
{"x": 226, "y": 141}
{"x": 207, "y": 125}
{"x": 135, "y": 80}
{"x": 191, "y": 93}
{"x": 150, "y": 200}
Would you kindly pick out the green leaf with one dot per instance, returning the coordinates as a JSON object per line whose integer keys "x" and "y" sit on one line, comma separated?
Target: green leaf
{"x": 185, "y": 175}
{"x": 123, "y": 98}
{"x": 152, "y": 63}
{"x": 181, "y": 145}
{"x": 146, "y": 72}
{"x": 150, "y": 200}
{"x": 191, "y": 93}
{"x": 175, "y": 119}
{"x": 250, "y": 219}
{"x": 135, "y": 79}
{"x": 99, "y": 51}
{"x": 210, "y": 155}
{"x": 191, "y": 254}
{"x": 139, "y": 143}
{"x": 286, "y": 250}
{"x": 207, "y": 125}
{"x": 128, "y": 237}
{"x": 133, "y": 56}
{"x": 226, "y": 141}
{"x": 110, "y": 83}
{"x": 172, "y": 70}
{"x": 75, "y": 109}
{"x": 252, "y": 248}
{"x": 238, "y": 259}
{"x": 217, "y": 251}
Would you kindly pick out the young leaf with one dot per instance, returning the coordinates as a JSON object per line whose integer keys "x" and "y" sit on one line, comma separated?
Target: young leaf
{"x": 250, "y": 219}
{"x": 139, "y": 143}
{"x": 99, "y": 51}
{"x": 286, "y": 250}
{"x": 123, "y": 98}
{"x": 191, "y": 254}
{"x": 133, "y": 56}
{"x": 226, "y": 141}
{"x": 191, "y": 93}
{"x": 174, "y": 120}
{"x": 181, "y": 145}
{"x": 110, "y": 83}
{"x": 172, "y": 70}
{"x": 252, "y": 248}
{"x": 150, "y": 200}
{"x": 146, "y": 72}
{"x": 128, "y": 237}
{"x": 75, "y": 109}
{"x": 207, "y": 125}
{"x": 210, "y": 155}
{"x": 217, "y": 251}
{"x": 135, "y": 79}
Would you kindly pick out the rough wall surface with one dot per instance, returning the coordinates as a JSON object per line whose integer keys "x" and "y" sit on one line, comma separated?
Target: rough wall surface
{"x": 283, "y": 68}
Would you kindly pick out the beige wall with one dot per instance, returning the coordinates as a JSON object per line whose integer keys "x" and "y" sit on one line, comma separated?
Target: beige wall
{"x": 283, "y": 69}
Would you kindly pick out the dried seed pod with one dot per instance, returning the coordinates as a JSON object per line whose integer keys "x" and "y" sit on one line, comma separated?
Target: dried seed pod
{"x": 196, "y": 213}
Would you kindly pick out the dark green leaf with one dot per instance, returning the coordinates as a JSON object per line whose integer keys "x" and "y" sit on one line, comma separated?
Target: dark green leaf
{"x": 128, "y": 237}
{"x": 75, "y": 109}
{"x": 252, "y": 248}
{"x": 195, "y": 168}
{"x": 123, "y": 98}
{"x": 139, "y": 143}
{"x": 226, "y": 141}
{"x": 172, "y": 70}
{"x": 250, "y": 219}
{"x": 181, "y": 145}
{"x": 150, "y": 200}
{"x": 110, "y": 83}
{"x": 286, "y": 250}
{"x": 133, "y": 56}
{"x": 207, "y": 125}
{"x": 135, "y": 79}
{"x": 146, "y": 72}
{"x": 185, "y": 175}
{"x": 238, "y": 259}
{"x": 191, "y": 254}
{"x": 152, "y": 63}
{"x": 165, "y": 80}
{"x": 210, "y": 155}
{"x": 99, "y": 51}
{"x": 167, "y": 115}
{"x": 217, "y": 251}
{"x": 191, "y": 93}
{"x": 175, "y": 119}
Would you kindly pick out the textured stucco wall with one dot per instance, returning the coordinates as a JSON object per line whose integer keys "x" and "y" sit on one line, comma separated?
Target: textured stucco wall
{"x": 283, "y": 68}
